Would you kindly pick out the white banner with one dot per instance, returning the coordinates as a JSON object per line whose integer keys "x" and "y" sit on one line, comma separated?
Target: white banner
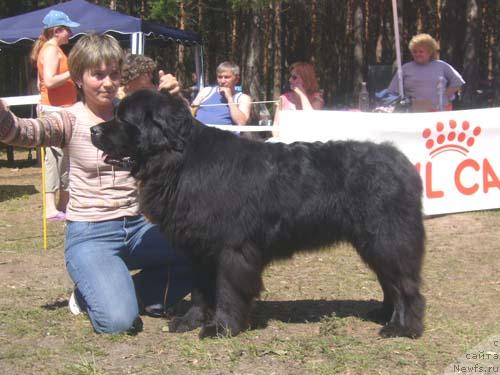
{"x": 456, "y": 153}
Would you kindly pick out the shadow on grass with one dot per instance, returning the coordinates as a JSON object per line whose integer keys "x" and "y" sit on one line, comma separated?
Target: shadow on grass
{"x": 303, "y": 311}
{"x": 57, "y": 304}
{"x": 8, "y": 192}
{"x": 300, "y": 311}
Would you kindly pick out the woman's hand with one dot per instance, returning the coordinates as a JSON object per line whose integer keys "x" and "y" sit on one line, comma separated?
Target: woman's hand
{"x": 298, "y": 89}
{"x": 168, "y": 82}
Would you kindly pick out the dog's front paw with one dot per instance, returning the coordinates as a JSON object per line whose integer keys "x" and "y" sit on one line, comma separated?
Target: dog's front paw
{"x": 190, "y": 321}
{"x": 396, "y": 330}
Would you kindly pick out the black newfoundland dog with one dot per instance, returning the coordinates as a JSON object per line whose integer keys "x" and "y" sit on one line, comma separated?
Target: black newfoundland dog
{"x": 234, "y": 205}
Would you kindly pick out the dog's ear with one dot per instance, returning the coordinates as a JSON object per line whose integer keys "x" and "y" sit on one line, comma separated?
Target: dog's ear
{"x": 152, "y": 140}
{"x": 175, "y": 120}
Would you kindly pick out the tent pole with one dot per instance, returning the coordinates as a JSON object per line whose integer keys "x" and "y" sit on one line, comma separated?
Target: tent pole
{"x": 137, "y": 43}
{"x": 398, "y": 47}
{"x": 198, "y": 56}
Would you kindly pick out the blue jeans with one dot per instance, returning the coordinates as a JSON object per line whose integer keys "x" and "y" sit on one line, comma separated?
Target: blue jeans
{"x": 98, "y": 258}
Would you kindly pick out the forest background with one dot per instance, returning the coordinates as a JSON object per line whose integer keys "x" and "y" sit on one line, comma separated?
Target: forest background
{"x": 349, "y": 41}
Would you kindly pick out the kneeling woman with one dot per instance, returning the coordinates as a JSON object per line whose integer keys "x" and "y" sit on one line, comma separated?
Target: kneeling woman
{"x": 105, "y": 235}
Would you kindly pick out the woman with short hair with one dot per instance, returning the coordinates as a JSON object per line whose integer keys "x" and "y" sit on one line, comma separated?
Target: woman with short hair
{"x": 421, "y": 77}
{"x": 106, "y": 236}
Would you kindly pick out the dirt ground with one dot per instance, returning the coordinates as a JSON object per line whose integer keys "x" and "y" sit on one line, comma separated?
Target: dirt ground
{"x": 311, "y": 318}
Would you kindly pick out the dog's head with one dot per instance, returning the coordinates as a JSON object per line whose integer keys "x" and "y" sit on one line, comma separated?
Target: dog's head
{"x": 146, "y": 123}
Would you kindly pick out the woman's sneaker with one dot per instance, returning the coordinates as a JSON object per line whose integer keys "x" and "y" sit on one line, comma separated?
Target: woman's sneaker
{"x": 73, "y": 305}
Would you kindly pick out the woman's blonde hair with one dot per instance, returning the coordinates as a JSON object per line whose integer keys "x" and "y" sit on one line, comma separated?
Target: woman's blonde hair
{"x": 306, "y": 72}
{"x": 91, "y": 51}
{"x": 427, "y": 41}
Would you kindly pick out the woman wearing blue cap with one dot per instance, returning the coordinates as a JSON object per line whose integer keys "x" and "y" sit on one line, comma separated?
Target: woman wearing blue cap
{"x": 56, "y": 90}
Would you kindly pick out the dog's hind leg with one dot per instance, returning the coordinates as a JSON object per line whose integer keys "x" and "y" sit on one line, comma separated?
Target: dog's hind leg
{"x": 409, "y": 305}
{"x": 239, "y": 282}
{"x": 383, "y": 314}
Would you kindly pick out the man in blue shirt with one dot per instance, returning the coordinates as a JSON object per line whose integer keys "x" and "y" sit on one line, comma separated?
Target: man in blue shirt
{"x": 221, "y": 104}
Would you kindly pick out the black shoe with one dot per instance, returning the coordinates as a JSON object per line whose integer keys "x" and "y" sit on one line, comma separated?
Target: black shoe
{"x": 155, "y": 311}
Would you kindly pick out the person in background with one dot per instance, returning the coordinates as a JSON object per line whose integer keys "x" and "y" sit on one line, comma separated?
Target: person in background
{"x": 191, "y": 92}
{"x": 137, "y": 73}
{"x": 105, "y": 236}
{"x": 56, "y": 90}
{"x": 421, "y": 76}
{"x": 221, "y": 104}
{"x": 304, "y": 93}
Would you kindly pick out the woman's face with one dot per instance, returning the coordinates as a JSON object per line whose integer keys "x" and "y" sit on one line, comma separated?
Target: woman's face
{"x": 295, "y": 80}
{"x": 62, "y": 35}
{"x": 100, "y": 84}
{"x": 421, "y": 54}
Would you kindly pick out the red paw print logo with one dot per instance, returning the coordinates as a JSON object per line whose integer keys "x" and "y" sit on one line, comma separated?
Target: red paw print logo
{"x": 450, "y": 138}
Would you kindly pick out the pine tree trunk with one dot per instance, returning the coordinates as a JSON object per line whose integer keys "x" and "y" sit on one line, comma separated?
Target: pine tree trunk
{"x": 143, "y": 8}
{"x": 253, "y": 57}
{"x": 471, "y": 71}
{"x": 277, "y": 66}
{"x": 180, "y": 68}
{"x": 358, "y": 61}
{"x": 314, "y": 29}
{"x": 452, "y": 32}
{"x": 234, "y": 38}
{"x": 496, "y": 57}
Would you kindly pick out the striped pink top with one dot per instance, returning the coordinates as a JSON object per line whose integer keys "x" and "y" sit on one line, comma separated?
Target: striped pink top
{"x": 97, "y": 190}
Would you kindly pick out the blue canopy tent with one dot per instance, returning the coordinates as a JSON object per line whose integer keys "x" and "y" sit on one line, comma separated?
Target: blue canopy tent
{"x": 26, "y": 28}
{"x": 22, "y": 30}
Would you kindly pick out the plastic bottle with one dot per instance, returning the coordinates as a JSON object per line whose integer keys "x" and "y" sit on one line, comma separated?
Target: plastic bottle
{"x": 264, "y": 116}
{"x": 364, "y": 98}
{"x": 441, "y": 89}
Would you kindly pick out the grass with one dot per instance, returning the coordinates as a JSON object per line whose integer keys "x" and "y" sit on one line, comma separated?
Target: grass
{"x": 309, "y": 320}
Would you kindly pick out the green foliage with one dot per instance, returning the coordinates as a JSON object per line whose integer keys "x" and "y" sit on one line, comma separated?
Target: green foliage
{"x": 13, "y": 8}
{"x": 165, "y": 11}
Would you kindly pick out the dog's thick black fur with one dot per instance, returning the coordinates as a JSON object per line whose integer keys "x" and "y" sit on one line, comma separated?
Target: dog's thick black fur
{"x": 235, "y": 204}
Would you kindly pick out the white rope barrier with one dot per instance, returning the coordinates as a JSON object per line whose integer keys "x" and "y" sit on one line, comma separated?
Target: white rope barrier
{"x": 35, "y": 99}
{"x": 240, "y": 128}
{"x": 224, "y": 104}
{"x": 244, "y": 128}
